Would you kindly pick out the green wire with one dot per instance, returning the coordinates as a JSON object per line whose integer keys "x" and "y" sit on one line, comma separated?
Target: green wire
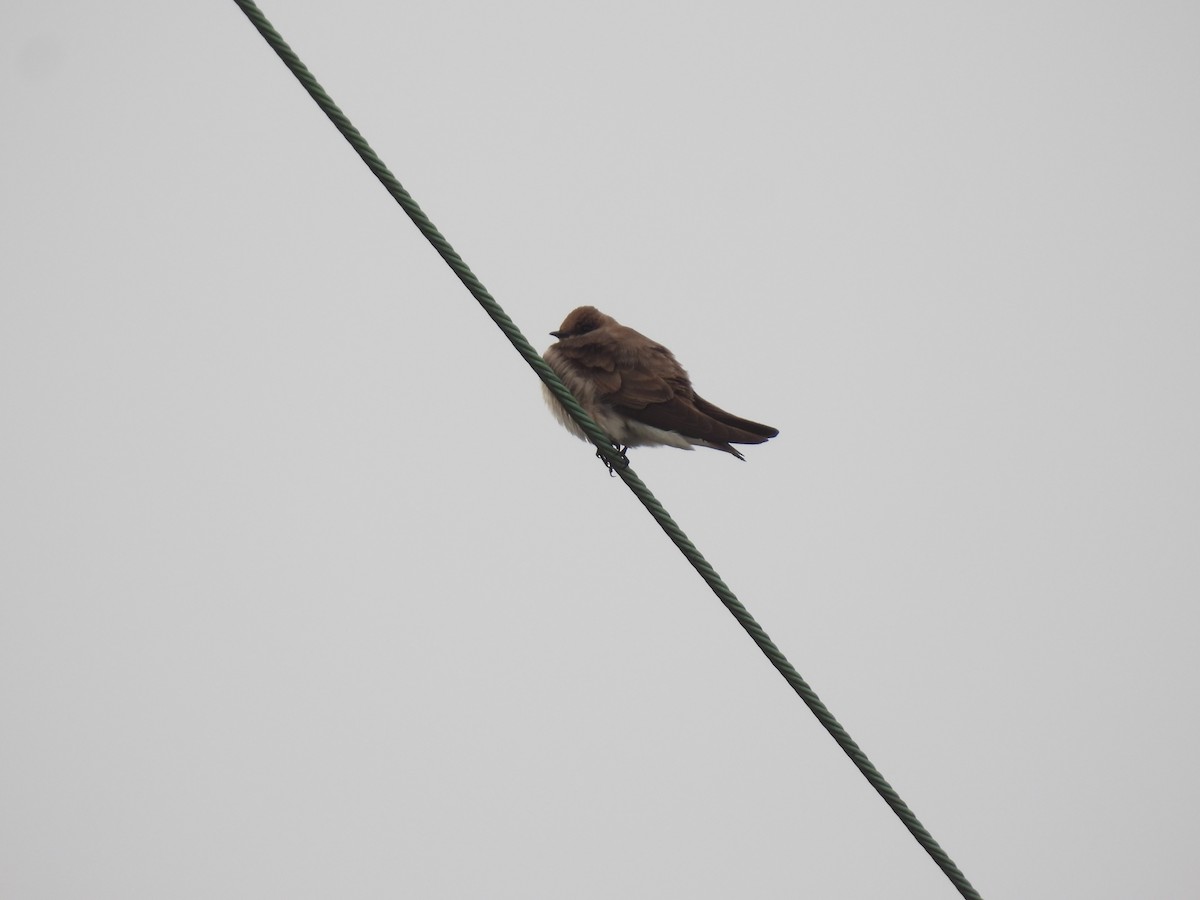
{"x": 607, "y": 451}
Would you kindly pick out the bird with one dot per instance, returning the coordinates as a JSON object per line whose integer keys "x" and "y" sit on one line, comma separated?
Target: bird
{"x": 636, "y": 391}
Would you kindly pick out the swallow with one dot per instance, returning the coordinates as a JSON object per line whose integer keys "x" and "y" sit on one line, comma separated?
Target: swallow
{"x": 636, "y": 391}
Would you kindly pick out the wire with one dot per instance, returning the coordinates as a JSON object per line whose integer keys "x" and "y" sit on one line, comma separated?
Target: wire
{"x": 607, "y": 451}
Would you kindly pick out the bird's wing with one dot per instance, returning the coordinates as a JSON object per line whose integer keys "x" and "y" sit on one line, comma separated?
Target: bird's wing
{"x": 648, "y": 378}
{"x": 656, "y": 391}
{"x": 763, "y": 432}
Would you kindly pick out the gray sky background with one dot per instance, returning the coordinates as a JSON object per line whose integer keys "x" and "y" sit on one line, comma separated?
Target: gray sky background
{"x": 305, "y": 595}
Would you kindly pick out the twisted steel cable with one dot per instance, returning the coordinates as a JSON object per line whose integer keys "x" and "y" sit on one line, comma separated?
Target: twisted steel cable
{"x": 606, "y": 450}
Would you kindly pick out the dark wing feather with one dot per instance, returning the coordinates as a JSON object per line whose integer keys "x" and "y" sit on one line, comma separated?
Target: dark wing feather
{"x": 656, "y": 390}
{"x": 684, "y": 417}
{"x": 764, "y": 432}
{"x": 649, "y": 378}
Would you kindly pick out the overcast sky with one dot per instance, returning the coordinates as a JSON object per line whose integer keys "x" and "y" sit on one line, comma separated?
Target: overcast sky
{"x": 304, "y": 594}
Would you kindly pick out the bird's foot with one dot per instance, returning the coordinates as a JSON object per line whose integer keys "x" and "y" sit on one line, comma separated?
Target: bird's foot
{"x": 612, "y": 467}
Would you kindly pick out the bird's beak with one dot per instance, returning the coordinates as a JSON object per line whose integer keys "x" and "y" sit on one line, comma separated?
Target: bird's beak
{"x": 558, "y": 334}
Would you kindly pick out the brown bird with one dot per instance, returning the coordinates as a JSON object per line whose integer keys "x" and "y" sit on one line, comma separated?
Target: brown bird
{"x": 636, "y": 390}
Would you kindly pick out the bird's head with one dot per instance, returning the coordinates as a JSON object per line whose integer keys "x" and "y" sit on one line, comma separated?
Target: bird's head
{"x": 581, "y": 321}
